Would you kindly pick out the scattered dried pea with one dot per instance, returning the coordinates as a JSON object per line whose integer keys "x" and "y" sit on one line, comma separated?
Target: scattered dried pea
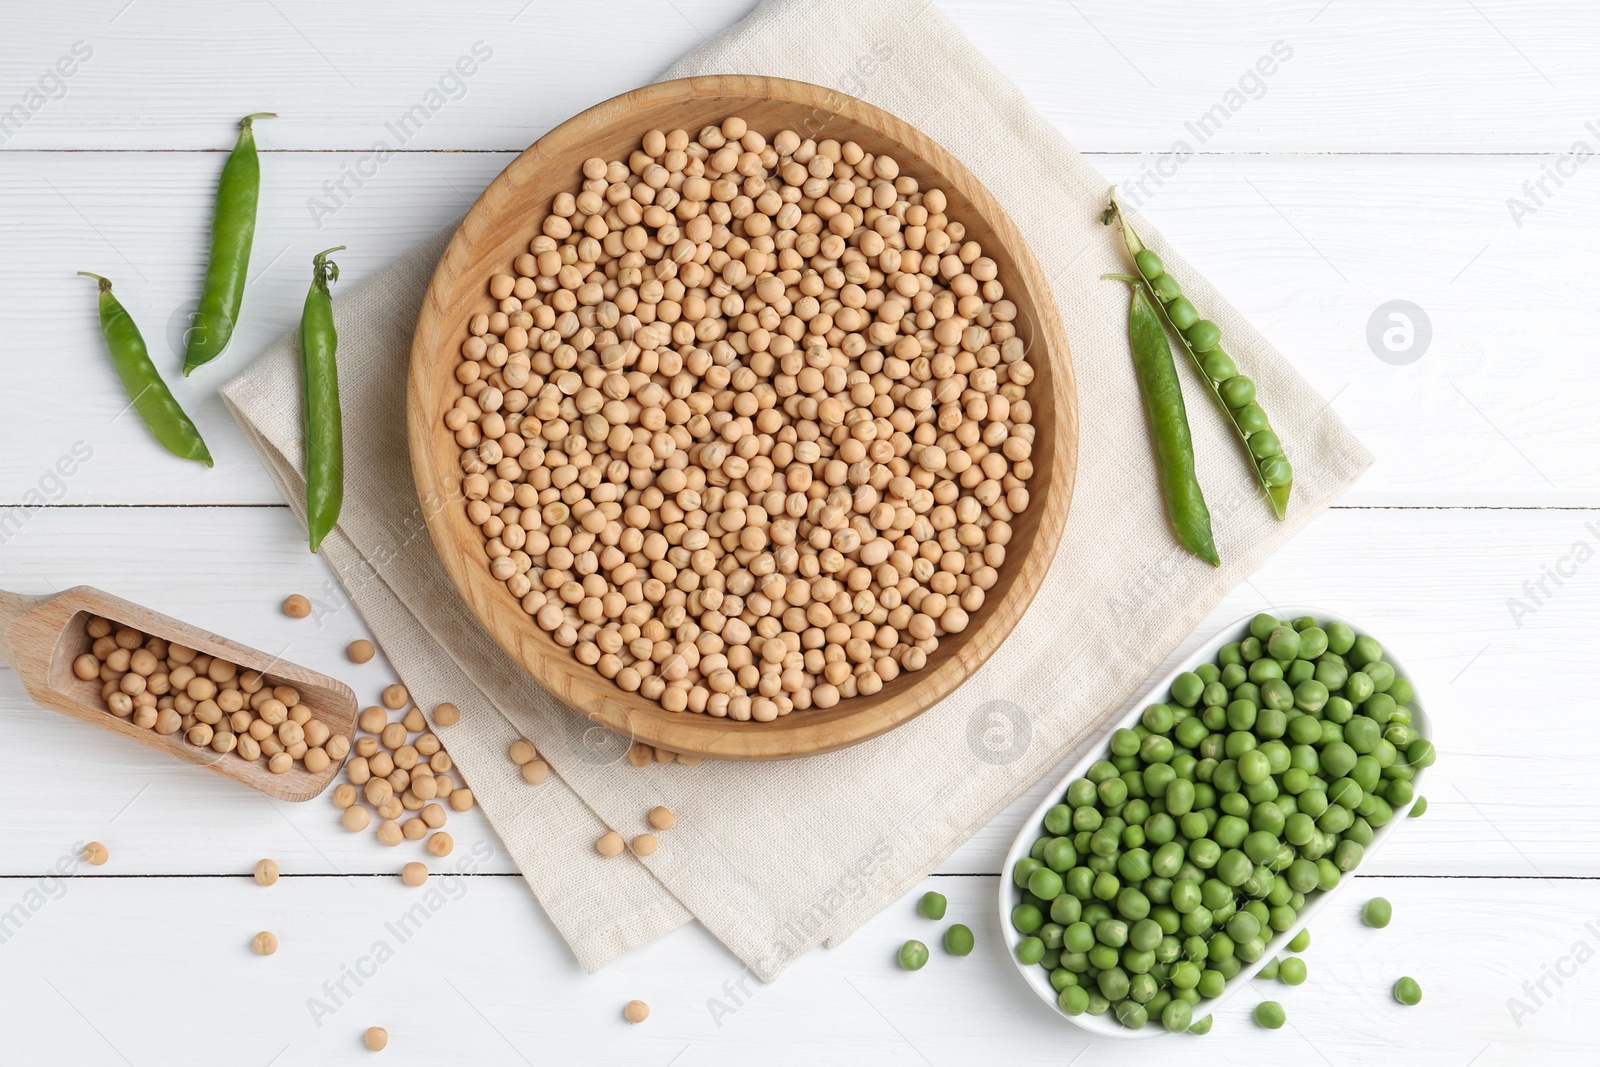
{"x": 265, "y": 943}
{"x": 373, "y": 719}
{"x": 661, "y": 818}
{"x": 414, "y": 722}
{"x": 95, "y": 854}
{"x": 395, "y": 696}
{"x": 441, "y": 844}
{"x": 296, "y": 606}
{"x": 360, "y": 651}
{"x": 644, "y": 845}
{"x": 356, "y": 819}
{"x": 389, "y": 833}
{"x": 636, "y": 1011}
{"x": 522, "y": 751}
{"x": 266, "y": 872}
{"x": 610, "y": 844}
{"x": 535, "y": 772}
{"x": 414, "y": 874}
{"x": 376, "y": 1038}
{"x": 446, "y": 715}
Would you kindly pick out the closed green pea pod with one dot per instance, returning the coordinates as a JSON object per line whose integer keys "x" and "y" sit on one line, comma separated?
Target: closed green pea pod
{"x": 1168, "y": 424}
{"x": 147, "y": 393}
{"x": 233, "y": 228}
{"x": 323, "y": 420}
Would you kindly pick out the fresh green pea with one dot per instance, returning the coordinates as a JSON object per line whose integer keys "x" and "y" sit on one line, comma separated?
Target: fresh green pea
{"x": 1182, "y": 314}
{"x": 1283, "y": 643}
{"x": 1270, "y": 1014}
{"x": 1292, "y": 971}
{"x": 1066, "y": 909}
{"x": 1074, "y": 1000}
{"x": 1177, "y": 1016}
{"x": 1205, "y": 335}
{"x": 1254, "y": 767}
{"x": 1419, "y": 809}
{"x": 932, "y": 905}
{"x": 914, "y": 954}
{"x": 1364, "y": 650}
{"x": 1113, "y": 983}
{"x": 1376, "y": 913}
{"x": 1382, "y": 675}
{"x": 1166, "y": 287}
{"x": 1030, "y": 950}
{"x": 1251, "y": 419}
{"x": 1310, "y": 695}
{"x": 1408, "y": 992}
{"x": 1201, "y": 1028}
{"x": 1341, "y": 638}
{"x": 1042, "y": 883}
{"x": 1059, "y": 856}
{"x": 1026, "y": 918}
{"x": 1420, "y": 753}
{"x": 1132, "y": 1014}
{"x": 1313, "y": 641}
{"x": 959, "y": 941}
{"x": 1024, "y": 870}
{"x": 1148, "y": 262}
{"x": 1187, "y": 689}
{"x": 1218, "y": 365}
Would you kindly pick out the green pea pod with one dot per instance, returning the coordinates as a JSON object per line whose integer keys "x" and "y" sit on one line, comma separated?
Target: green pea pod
{"x": 233, "y": 230}
{"x": 1233, "y": 392}
{"x": 319, "y": 382}
{"x": 1169, "y": 428}
{"x": 149, "y": 394}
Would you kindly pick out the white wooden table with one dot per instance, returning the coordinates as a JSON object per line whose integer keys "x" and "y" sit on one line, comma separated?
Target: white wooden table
{"x": 1378, "y": 162}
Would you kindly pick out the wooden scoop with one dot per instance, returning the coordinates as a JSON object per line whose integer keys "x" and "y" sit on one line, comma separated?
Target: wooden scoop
{"x": 40, "y": 636}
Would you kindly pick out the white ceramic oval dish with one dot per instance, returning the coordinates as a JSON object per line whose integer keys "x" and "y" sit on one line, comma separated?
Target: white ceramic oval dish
{"x": 1038, "y": 979}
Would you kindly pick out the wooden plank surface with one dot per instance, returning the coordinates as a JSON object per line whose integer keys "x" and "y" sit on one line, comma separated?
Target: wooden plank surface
{"x": 1396, "y": 154}
{"x": 1495, "y": 411}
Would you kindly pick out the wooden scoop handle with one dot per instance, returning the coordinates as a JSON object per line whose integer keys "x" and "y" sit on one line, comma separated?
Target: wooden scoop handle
{"x": 12, "y": 607}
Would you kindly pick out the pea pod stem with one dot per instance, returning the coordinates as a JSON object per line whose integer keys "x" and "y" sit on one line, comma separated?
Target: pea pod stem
{"x": 322, "y": 419}
{"x": 147, "y": 393}
{"x": 1169, "y": 427}
{"x": 233, "y": 228}
{"x": 1277, "y": 495}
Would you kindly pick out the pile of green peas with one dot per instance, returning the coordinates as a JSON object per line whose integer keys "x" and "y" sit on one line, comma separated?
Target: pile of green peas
{"x": 1173, "y": 862}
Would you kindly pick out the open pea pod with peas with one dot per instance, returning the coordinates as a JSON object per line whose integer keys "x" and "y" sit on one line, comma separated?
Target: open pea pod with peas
{"x": 1234, "y": 392}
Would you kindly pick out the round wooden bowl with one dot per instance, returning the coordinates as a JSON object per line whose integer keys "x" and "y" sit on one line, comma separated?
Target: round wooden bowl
{"x": 499, "y": 227}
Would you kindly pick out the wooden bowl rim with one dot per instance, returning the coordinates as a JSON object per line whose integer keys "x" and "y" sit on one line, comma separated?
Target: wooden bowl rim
{"x": 460, "y": 544}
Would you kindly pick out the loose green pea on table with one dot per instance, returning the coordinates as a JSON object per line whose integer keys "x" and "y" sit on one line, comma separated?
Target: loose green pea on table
{"x": 1210, "y": 824}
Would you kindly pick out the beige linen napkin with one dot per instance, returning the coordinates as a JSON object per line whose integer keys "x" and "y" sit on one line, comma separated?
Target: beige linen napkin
{"x": 776, "y": 858}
